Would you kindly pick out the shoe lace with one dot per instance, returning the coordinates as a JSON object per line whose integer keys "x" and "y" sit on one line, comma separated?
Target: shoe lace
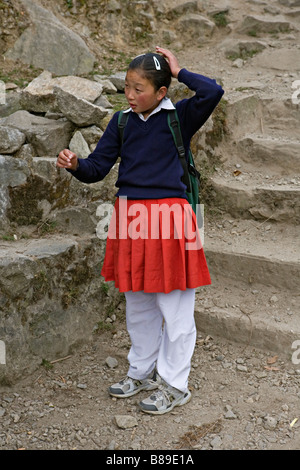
{"x": 163, "y": 393}
{"x": 157, "y": 380}
{"x": 126, "y": 380}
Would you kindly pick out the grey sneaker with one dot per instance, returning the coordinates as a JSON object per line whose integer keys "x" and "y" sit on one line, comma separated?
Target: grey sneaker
{"x": 164, "y": 400}
{"x": 128, "y": 386}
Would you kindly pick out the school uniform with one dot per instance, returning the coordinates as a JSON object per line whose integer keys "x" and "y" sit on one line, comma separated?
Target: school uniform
{"x": 146, "y": 252}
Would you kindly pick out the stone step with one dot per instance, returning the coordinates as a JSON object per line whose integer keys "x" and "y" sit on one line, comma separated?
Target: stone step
{"x": 254, "y": 252}
{"x": 246, "y": 197}
{"x": 254, "y": 296}
{"x": 252, "y": 268}
{"x": 251, "y": 314}
{"x": 270, "y": 154}
{"x": 275, "y": 116}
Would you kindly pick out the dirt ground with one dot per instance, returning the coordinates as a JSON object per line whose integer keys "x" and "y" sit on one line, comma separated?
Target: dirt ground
{"x": 243, "y": 398}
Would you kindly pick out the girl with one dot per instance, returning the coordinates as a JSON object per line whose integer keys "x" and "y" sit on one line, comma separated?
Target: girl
{"x": 152, "y": 265}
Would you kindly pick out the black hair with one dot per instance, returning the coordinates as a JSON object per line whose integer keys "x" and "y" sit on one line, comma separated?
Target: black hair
{"x": 154, "y": 67}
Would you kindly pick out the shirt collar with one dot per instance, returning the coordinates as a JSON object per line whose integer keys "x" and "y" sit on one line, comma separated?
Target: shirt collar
{"x": 165, "y": 103}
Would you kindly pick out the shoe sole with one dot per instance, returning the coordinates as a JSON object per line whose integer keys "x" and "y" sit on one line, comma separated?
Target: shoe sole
{"x": 134, "y": 392}
{"x": 162, "y": 412}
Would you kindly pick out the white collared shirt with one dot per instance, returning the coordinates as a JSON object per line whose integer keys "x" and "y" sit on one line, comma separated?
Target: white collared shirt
{"x": 165, "y": 103}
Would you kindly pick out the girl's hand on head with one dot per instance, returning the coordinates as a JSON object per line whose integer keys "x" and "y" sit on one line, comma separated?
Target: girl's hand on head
{"x": 173, "y": 62}
{"x": 67, "y": 159}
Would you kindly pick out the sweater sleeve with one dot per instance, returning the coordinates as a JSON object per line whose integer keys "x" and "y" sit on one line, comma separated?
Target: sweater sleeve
{"x": 195, "y": 111}
{"x": 98, "y": 164}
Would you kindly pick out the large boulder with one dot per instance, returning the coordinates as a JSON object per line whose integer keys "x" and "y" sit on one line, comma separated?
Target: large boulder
{"x": 197, "y": 27}
{"x": 253, "y": 24}
{"x": 47, "y": 136}
{"x": 50, "y": 45}
{"x": 80, "y": 111}
{"x": 38, "y": 96}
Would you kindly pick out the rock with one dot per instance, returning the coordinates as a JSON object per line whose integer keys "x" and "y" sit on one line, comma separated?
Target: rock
{"x": 290, "y": 3}
{"x": 103, "y": 102}
{"x": 125, "y": 421}
{"x": 238, "y": 63}
{"x": 46, "y": 136}
{"x": 26, "y": 152}
{"x": 229, "y": 413}
{"x": 11, "y": 140}
{"x": 281, "y": 59}
{"x": 197, "y": 26}
{"x": 242, "y": 49}
{"x": 182, "y": 8}
{"x": 13, "y": 171}
{"x": 216, "y": 443}
{"x": 91, "y": 134}
{"x": 264, "y": 24}
{"x": 111, "y": 362}
{"x": 82, "y": 386}
{"x": 79, "y": 146}
{"x": 108, "y": 86}
{"x": 11, "y": 103}
{"x": 118, "y": 80}
{"x": 113, "y": 6}
{"x": 79, "y": 111}
{"x": 48, "y": 44}
{"x": 74, "y": 220}
{"x": 269, "y": 422}
{"x": 38, "y": 96}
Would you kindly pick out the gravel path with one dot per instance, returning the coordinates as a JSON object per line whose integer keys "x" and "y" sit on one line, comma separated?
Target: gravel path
{"x": 243, "y": 398}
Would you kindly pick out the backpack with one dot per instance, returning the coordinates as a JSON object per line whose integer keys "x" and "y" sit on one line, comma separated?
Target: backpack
{"x": 191, "y": 177}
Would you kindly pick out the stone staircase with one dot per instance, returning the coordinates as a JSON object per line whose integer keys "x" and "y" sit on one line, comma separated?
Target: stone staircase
{"x": 253, "y": 246}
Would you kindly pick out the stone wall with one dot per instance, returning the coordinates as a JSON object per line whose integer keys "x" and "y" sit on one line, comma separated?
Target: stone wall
{"x": 52, "y": 296}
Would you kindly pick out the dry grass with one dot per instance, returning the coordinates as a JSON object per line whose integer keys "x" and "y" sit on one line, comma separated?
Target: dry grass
{"x": 192, "y": 437}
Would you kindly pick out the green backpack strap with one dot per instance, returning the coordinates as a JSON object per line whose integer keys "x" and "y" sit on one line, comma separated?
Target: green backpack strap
{"x": 191, "y": 176}
{"x": 173, "y": 122}
{"x": 122, "y": 121}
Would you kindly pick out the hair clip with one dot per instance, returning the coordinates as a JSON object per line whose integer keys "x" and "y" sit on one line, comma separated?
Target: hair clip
{"x": 156, "y": 63}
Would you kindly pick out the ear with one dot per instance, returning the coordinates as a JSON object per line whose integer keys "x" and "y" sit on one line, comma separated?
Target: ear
{"x": 162, "y": 92}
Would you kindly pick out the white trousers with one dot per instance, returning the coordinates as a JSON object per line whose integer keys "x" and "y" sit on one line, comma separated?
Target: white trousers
{"x": 163, "y": 334}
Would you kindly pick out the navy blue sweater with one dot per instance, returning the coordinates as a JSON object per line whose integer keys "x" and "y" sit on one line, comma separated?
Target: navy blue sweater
{"x": 149, "y": 165}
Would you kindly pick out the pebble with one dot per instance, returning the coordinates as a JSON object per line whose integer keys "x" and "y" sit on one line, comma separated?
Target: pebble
{"x": 111, "y": 362}
{"x": 270, "y": 422}
{"x": 126, "y": 421}
{"x": 229, "y": 413}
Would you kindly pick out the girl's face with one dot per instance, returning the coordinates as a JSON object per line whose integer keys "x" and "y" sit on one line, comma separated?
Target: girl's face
{"x": 141, "y": 94}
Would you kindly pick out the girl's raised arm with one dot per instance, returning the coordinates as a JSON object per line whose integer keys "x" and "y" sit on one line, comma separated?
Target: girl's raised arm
{"x": 172, "y": 60}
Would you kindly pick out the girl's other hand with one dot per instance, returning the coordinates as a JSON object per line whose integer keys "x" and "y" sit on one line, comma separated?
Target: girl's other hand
{"x": 173, "y": 62}
{"x": 67, "y": 159}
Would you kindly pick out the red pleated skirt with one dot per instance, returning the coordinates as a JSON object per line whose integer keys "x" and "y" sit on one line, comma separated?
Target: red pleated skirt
{"x": 153, "y": 245}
